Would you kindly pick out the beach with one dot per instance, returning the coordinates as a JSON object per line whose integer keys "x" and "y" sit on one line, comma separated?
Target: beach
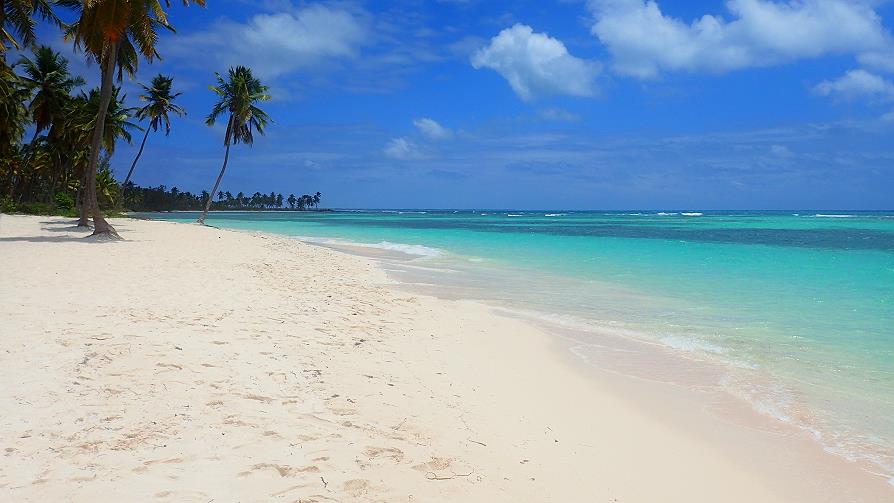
{"x": 192, "y": 363}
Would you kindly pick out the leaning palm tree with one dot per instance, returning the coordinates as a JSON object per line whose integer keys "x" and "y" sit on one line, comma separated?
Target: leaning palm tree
{"x": 111, "y": 32}
{"x": 17, "y": 20}
{"x": 239, "y": 94}
{"x": 47, "y": 76}
{"x": 159, "y": 103}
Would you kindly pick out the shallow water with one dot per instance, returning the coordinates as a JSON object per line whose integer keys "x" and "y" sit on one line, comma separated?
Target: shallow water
{"x": 798, "y": 305}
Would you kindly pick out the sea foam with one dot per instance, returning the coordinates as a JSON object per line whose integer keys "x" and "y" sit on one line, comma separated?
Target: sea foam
{"x": 409, "y": 249}
{"x": 691, "y": 344}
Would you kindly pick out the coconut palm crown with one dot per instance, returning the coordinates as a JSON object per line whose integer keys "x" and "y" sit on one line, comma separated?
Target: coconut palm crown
{"x": 17, "y": 20}
{"x": 47, "y": 76}
{"x": 159, "y": 103}
{"x": 238, "y": 94}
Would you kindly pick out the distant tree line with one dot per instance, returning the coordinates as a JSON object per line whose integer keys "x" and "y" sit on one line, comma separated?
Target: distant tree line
{"x": 137, "y": 198}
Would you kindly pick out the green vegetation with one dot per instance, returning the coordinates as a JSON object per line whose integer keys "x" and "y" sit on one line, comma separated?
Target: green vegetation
{"x": 64, "y": 167}
{"x": 163, "y": 199}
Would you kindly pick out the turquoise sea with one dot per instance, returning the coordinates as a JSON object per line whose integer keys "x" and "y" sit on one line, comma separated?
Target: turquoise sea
{"x": 798, "y": 305}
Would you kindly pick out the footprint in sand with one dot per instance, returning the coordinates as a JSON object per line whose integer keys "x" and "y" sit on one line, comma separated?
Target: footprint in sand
{"x": 434, "y": 464}
{"x": 342, "y": 412}
{"x": 356, "y": 487}
{"x": 395, "y": 455}
{"x": 283, "y": 470}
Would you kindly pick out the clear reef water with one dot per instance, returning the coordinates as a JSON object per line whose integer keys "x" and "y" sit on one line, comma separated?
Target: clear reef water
{"x": 802, "y": 299}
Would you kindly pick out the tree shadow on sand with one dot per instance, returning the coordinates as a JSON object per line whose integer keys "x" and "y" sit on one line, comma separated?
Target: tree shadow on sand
{"x": 59, "y": 222}
{"x": 48, "y": 239}
{"x": 68, "y": 228}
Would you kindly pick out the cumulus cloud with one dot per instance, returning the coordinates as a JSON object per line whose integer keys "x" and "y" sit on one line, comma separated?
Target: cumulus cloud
{"x": 402, "y": 149}
{"x": 644, "y": 41}
{"x": 857, "y": 84}
{"x": 536, "y": 64}
{"x": 431, "y": 129}
{"x": 278, "y": 43}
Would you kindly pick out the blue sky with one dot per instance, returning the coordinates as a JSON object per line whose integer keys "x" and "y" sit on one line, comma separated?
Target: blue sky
{"x": 603, "y": 104}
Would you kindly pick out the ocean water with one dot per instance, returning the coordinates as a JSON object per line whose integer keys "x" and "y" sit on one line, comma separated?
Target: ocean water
{"x": 798, "y": 306}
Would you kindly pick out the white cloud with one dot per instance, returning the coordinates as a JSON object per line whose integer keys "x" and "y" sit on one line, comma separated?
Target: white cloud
{"x": 431, "y": 129}
{"x": 559, "y": 114}
{"x": 278, "y": 43}
{"x": 857, "y": 84}
{"x": 883, "y": 61}
{"x": 644, "y": 41}
{"x": 780, "y": 151}
{"x": 536, "y": 64}
{"x": 402, "y": 149}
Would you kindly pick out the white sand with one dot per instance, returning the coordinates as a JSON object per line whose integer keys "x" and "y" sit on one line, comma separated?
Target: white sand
{"x": 195, "y": 364}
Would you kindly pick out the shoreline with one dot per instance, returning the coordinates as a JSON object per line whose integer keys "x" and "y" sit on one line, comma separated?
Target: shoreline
{"x": 632, "y": 357}
{"x": 529, "y": 419}
{"x": 632, "y": 354}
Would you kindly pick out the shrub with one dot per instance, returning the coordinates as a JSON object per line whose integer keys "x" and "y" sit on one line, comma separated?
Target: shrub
{"x": 64, "y": 201}
{"x": 37, "y": 208}
{"x": 7, "y": 205}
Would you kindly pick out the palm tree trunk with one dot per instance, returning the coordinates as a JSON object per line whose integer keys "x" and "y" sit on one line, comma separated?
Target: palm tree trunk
{"x": 54, "y": 181}
{"x": 83, "y": 213}
{"x": 223, "y": 168}
{"x": 3, "y": 19}
{"x": 100, "y": 226}
{"x": 27, "y": 160}
{"x": 137, "y": 158}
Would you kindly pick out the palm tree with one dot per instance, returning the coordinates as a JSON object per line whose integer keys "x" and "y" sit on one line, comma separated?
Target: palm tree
{"x": 17, "y": 20}
{"x": 106, "y": 186}
{"x": 13, "y": 119}
{"x": 238, "y": 95}
{"x": 111, "y": 32}
{"x": 47, "y": 76}
{"x": 317, "y": 197}
{"x": 159, "y": 103}
{"x": 116, "y": 125}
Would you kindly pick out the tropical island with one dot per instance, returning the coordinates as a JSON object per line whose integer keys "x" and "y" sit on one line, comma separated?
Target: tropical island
{"x": 173, "y": 331}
